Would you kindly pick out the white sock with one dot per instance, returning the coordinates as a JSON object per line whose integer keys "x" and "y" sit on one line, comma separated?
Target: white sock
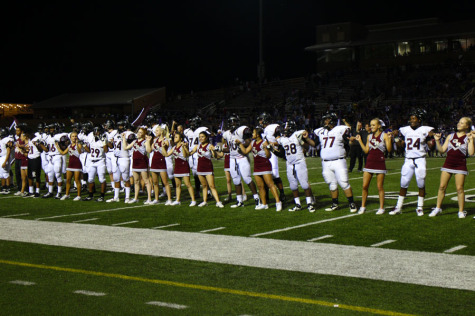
{"x": 239, "y": 198}
{"x": 297, "y": 200}
{"x": 116, "y": 193}
{"x": 30, "y": 189}
{"x": 50, "y": 188}
{"x": 420, "y": 201}
{"x": 400, "y": 201}
{"x": 127, "y": 192}
{"x": 308, "y": 199}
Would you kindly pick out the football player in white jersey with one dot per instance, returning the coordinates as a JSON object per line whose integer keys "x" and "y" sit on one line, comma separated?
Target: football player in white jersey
{"x": 110, "y": 132}
{"x": 269, "y": 135}
{"x": 415, "y": 139}
{"x": 297, "y": 171}
{"x": 332, "y": 138}
{"x": 55, "y": 162}
{"x": 192, "y": 135}
{"x": 6, "y": 147}
{"x": 97, "y": 147}
{"x": 238, "y": 163}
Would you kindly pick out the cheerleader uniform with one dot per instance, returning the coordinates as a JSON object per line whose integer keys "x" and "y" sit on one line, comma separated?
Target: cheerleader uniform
{"x": 158, "y": 160}
{"x": 457, "y": 151}
{"x": 205, "y": 166}
{"x": 74, "y": 163}
{"x": 375, "y": 162}
{"x": 182, "y": 168}
{"x": 262, "y": 164}
{"x": 139, "y": 156}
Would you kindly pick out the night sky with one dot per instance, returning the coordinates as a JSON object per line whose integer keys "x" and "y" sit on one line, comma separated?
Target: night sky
{"x": 51, "y": 48}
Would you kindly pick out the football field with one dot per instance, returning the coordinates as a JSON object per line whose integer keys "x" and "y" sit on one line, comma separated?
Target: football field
{"x": 90, "y": 258}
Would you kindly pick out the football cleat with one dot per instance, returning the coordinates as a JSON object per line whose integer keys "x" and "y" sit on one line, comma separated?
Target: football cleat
{"x": 87, "y": 199}
{"x": 58, "y": 196}
{"x": 297, "y": 207}
{"x": 419, "y": 211}
{"x": 332, "y": 208}
{"x": 48, "y": 195}
{"x": 238, "y": 204}
{"x": 436, "y": 211}
{"x": 353, "y": 208}
{"x": 311, "y": 208}
{"x": 100, "y": 199}
{"x": 395, "y": 211}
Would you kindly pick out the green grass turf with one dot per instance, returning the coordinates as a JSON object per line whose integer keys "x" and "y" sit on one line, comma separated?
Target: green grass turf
{"x": 53, "y": 292}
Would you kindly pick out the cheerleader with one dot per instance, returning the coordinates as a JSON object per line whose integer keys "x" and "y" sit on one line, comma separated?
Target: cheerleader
{"x": 376, "y": 146}
{"x": 458, "y": 146}
{"x": 262, "y": 168}
{"x": 182, "y": 168}
{"x": 74, "y": 166}
{"x": 204, "y": 168}
{"x": 139, "y": 163}
{"x": 158, "y": 164}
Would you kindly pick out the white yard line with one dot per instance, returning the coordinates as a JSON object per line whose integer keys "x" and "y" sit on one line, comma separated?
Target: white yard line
{"x": 320, "y": 238}
{"x": 93, "y": 212}
{"x": 89, "y": 293}
{"x": 15, "y": 215}
{"x": 7, "y": 197}
{"x": 456, "y": 248}
{"x": 20, "y": 282}
{"x": 169, "y": 305}
{"x": 86, "y": 220}
{"x": 124, "y": 223}
{"x": 383, "y": 243}
{"x": 165, "y": 226}
{"x": 212, "y": 229}
{"x": 413, "y": 267}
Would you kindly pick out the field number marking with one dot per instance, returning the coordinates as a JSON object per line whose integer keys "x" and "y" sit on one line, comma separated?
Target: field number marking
{"x": 89, "y": 293}
{"x": 169, "y": 305}
{"x": 20, "y": 282}
{"x": 320, "y": 238}
{"x": 454, "y": 249}
{"x": 383, "y": 243}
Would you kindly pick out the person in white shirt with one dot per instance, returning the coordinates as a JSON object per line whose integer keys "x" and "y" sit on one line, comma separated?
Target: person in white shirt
{"x": 97, "y": 147}
{"x": 55, "y": 162}
{"x": 6, "y": 147}
{"x": 415, "y": 140}
{"x": 111, "y": 161}
{"x": 332, "y": 138}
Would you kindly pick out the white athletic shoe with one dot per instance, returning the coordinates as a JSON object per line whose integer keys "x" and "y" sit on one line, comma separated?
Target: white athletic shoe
{"x": 362, "y": 210}
{"x": 168, "y": 202}
{"x": 380, "y": 211}
{"x": 147, "y": 202}
{"x": 202, "y": 204}
{"x": 436, "y": 211}
{"x": 176, "y": 203}
{"x": 126, "y": 201}
{"x": 113, "y": 200}
{"x": 153, "y": 202}
{"x": 353, "y": 208}
{"x": 17, "y": 193}
{"x": 262, "y": 207}
{"x": 77, "y": 198}
{"x": 238, "y": 204}
{"x": 419, "y": 211}
{"x": 297, "y": 207}
{"x": 193, "y": 203}
{"x": 219, "y": 204}
{"x": 396, "y": 211}
{"x": 244, "y": 198}
{"x": 278, "y": 206}
{"x": 65, "y": 197}
{"x": 332, "y": 208}
{"x": 133, "y": 201}
{"x": 463, "y": 214}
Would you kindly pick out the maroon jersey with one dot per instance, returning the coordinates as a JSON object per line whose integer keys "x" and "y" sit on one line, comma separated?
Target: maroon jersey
{"x": 139, "y": 156}
{"x": 158, "y": 160}
{"x": 457, "y": 151}
{"x": 204, "y": 159}
{"x": 74, "y": 163}
{"x": 262, "y": 164}
{"x": 375, "y": 162}
{"x": 182, "y": 168}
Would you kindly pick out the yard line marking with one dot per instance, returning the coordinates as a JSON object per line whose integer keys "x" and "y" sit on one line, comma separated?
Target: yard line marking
{"x": 93, "y": 212}
{"x": 124, "y": 223}
{"x": 86, "y": 220}
{"x": 7, "y": 197}
{"x": 207, "y": 288}
{"x": 383, "y": 243}
{"x": 20, "y": 282}
{"x": 169, "y": 305}
{"x": 212, "y": 229}
{"x": 303, "y": 225}
{"x": 455, "y": 249}
{"x": 320, "y": 238}
{"x": 89, "y": 293}
{"x": 165, "y": 226}
{"x": 15, "y": 215}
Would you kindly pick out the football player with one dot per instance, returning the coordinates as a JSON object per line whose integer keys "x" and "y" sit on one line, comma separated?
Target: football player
{"x": 192, "y": 135}
{"x": 6, "y": 145}
{"x": 55, "y": 162}
{"x": 332, "y": 138}
{"x": 97, "y": 147}
{"x": 110, "y": 132}
{"x": 415, "y": 137}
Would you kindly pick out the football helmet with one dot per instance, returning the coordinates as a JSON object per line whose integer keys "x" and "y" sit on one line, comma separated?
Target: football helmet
{"x": 332, "y": 117}
{"x": 264, "y": 118}
{"x": 109, "y": 124}
{"x": 419, "y": 113}
{"x": 86, "y": 127}
{"x": 195, "y": 122}
{"x": 75, "y": 127}
{"x": 64, "y": 142}
{"x": 131, "y": 138}
{"x": 3, "y": 132}
{"x": 246, "y": 133}
{"x": 290, "y": 128}
{"x": 233, "y": 122}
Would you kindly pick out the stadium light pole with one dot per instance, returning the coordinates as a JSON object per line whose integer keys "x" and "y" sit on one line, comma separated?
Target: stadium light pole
{"x": 260, "y": 66}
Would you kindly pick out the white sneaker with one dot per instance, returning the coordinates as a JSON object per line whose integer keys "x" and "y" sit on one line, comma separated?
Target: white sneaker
{"x": 65, "y": 197}
{"x": 193, "y": 203}
{"x": 17, "y": 193}
{"x": 126, "y": 201}
{"x": 244, "y": 198}
{"x": 396, "y": 211}
{"x": 163, "y": 194}
{"x": 262, "y": 207}
{"x": 332, "y": 208}
{"x": 353, "y": 208}
{"x": 176, "y": 203}
{"x": 133, "y": 201}
{"x": 419, "y": 211}
{"x": 169, "y": 202}
{"x": 436, "y": 211}
{"x": 219, "y": 204}
{"x": 238, "y": 204}
{"x": 296, "y": 208}
{"x": 147, "y": 202}
{"x": 463, "y": 214}
{"x": 278, "y": 207}
{"x": 380, "y": 211}
{"x": 362, "y": 210}
{"x": 201, "y": 204}
{"x": 153, "y": 202}
{"x": 77, "y": 198}
{"x": 113, "y": 200}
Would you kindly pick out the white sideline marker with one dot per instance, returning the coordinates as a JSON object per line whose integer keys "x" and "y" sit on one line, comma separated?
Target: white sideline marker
{"x": 124, "y": 223}
{"x": 383, "y": 243}
{"x": 320, "y": 238}
{"x": 456, "y": 248}
{"x": 165, "y": 226}
{"x": 89, "y": 293}
{"x": 212, "y": 229}
{"x": 86, "y": 220}
{"x": 20, "y": 282}
{"x": 15, "y": 215}
{"x": 169, "y": 305}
